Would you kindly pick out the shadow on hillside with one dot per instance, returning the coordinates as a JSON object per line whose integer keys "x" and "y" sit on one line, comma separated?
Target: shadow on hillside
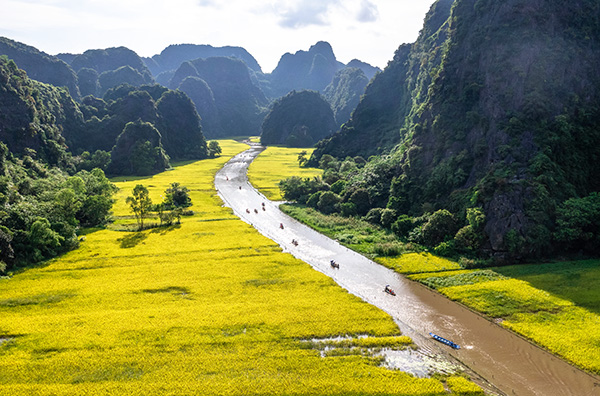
{"x": 132, "y": 240}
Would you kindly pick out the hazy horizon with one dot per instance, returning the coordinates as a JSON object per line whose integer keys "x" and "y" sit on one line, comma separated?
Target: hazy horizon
{"x": 369, "y": 30}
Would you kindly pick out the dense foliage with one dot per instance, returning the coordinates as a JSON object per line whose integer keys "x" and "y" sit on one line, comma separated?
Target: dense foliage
{"x": 299, "y": 119}
{"x": 34, "y": 115}
{"x": 171, "y": 113}
{"x": 42, "y": 208}
{"x": 496, "y": 107}
{"x": 40, "y": 66}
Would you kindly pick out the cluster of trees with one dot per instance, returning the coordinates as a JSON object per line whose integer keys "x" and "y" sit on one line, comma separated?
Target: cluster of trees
{"x": 142, "y": 129}
{"x": 299, "y": 119}
{"x": 176, "y": 199}
{"x": 42, "y": 208}
{"x": 354, "y": 187}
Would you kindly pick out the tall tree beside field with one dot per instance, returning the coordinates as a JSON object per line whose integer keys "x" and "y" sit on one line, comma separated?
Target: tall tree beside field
{"x": 140, "y": 204}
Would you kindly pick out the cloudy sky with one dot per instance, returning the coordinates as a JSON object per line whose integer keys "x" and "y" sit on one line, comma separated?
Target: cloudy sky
{"x": 369, "y": 30}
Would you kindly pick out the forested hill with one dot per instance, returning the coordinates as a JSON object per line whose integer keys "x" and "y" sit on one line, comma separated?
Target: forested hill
{"x": 496, "y": 105}
{"x": 40, "y": 66}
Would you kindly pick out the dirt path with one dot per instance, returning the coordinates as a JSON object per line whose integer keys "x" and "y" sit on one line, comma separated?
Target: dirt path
{"x": 510, "y": 364}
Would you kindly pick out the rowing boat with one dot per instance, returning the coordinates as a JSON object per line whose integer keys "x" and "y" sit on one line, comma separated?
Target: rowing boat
{"x": 444, "y": 341}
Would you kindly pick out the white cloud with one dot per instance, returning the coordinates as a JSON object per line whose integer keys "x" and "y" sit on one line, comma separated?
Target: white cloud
{"x": 368, "y": 12}
{"x": 302, "y": 13}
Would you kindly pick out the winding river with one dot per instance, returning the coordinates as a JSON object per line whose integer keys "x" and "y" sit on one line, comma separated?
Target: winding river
{"x": 498, "y": 360}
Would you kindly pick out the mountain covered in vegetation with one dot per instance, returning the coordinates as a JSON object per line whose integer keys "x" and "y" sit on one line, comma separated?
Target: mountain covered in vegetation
{"x": 40, "y": 66}
{"x": 240, "y": 104}
{"x": 34, "y": 115}
{"x": 299, "y": 119}
{"x": 495, "y": 107}
{"x": 312, "y": 70}
{"x": 101, "y": 69}
{"x": 344, "y": 92}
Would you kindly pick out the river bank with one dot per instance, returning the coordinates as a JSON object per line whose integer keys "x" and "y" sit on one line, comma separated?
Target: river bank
{"x": 507, "y": 361}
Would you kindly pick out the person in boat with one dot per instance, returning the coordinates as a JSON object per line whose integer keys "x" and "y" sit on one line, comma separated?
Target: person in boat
{"x": 281, "y": 225}
{"x": 247, "y": 210}
{"x": 255, "y": 211}
{"x": 240, "y": 187}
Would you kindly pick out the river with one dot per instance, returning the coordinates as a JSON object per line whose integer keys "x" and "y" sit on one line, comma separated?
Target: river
{"x": 498, "y": 360}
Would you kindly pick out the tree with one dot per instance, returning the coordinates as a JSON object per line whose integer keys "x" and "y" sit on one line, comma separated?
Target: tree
{"x": 177, "y": 196}
{"x": 140, "y": 204}
{"x": 214, "y": 150}
{"x": 302, "y": 158}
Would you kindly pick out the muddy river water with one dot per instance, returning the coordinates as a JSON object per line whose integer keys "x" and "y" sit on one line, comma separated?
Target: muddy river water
{"x": 500, "y": 361}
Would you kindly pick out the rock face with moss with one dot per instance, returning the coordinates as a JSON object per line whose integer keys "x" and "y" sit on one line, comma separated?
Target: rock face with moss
{"x": 496, "y": 105}
{"x": 299, "y": 119}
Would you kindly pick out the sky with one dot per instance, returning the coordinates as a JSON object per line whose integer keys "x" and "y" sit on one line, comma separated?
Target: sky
{"x": 369, "y": 30}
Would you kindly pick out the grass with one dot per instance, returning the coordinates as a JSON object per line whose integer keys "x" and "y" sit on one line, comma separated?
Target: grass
{"x": 207, "y": 307}
{"x": 275, "y": 164}
{"x": 557, "y": 305}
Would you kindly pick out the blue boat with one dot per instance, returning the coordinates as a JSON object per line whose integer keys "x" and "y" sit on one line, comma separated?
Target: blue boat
{"x": 444, "y": 341}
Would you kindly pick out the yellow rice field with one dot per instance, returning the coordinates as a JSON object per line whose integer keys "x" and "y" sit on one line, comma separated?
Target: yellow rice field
{"x": 207, "y": 307}
{"x": 275, "y": 164}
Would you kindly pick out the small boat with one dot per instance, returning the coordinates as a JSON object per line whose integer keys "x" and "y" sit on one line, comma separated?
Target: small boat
{"x": 389, "y": 291}
{"x": 444, "y": 341}
{"x": 334, "y": 264}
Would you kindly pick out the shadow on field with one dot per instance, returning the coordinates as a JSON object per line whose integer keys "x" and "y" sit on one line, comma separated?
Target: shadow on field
{"x": 164, "y": 230}
{"x": 132, "y": 240}
{"x": 576, "y": 281}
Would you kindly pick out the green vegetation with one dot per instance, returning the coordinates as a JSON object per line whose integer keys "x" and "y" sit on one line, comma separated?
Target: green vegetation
{"x": 224, "y": 93}
{"x": 441, "y": 143}
{"x": 43, "y": 207}
{"x": 344, "y": 92}
{"x": 299, "y": 119}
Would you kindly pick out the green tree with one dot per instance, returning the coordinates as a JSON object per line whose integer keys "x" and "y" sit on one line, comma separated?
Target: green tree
{"x": 140, "y": 204}
{"x": 302, "y": 158}
{"x": 177, "y": 196}
{"x": 214, "y": 149}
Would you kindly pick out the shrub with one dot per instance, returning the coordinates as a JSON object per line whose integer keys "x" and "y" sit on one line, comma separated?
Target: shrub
{"x": 440, "y": 226}
{"x": 328, "y": 202}
{"x": 374, "y": 215}
{"x": 403, "y": 226}
{"x": 387, "y": 217}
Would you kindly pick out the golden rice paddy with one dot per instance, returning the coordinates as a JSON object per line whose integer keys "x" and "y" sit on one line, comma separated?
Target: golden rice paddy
{"x": 207, "y": 307}
{"x": 276, "y": 164}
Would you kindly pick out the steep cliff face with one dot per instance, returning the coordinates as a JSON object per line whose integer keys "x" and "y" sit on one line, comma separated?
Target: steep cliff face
{"x": 240, "y": 103}
{"x": 313, "y": 70}
{"x": 343, "y": 94}
{"x": 496, "y": 105}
